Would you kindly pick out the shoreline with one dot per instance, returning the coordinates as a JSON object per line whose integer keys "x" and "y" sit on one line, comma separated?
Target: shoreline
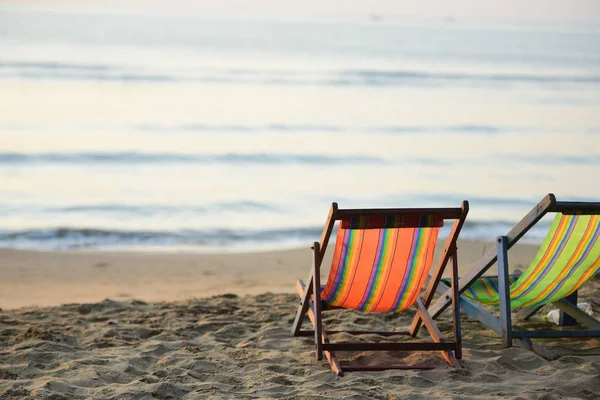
{"x": 30, "y": 278}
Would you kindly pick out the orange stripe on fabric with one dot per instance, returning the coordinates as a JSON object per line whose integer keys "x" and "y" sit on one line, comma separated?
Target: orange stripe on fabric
{"x": 364, "y": 268}
{"x": 361, "y": 279}
{"x": 397, "y": 271}
{"x": 490, "y": 291}
{"x": 352, "y": 265}
{"x": 385, "y": 266}
{"x": 584, "y": 278}
{"x": 550, "y": 251}
{"x": 422, "y": 269}
{"x": 581, "y": 247}
{"x": 339, "y": 283}
{"x": 588, "y": 274}
{"x": 335, "y": 263}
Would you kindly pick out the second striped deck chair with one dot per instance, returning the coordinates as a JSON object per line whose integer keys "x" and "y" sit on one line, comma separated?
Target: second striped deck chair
{"x": 381, "y": 261}
{"x": 567, "y": 259}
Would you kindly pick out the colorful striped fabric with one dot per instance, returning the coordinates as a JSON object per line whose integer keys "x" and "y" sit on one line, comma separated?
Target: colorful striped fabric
{"x": 484, "y": 289}
{"x": 569, "y": 257}
{"x": 379, "y": 269}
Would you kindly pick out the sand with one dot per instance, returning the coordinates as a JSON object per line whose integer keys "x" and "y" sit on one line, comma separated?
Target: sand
{"x": 38, "y": 278}
{"x": 161, "y": 336}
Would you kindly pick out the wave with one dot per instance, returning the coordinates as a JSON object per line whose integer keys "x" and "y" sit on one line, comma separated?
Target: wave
{"x": 302, "y": 128}
{"x": 80, "y": 238}
{"x": 147, "y": 210}
{"x": 56, "y": 66}
{"x": 244, "y": 128}
{"x": 551, "y": 159}
{"x": 151, "y": 158}
{"x": 135, "y": 158}
{"x": 367, "y": 77}
{"x": 386, "y": 77}
{"x": 101, "y": 77}
{"x": 288, "y": 128}
{"x": 62, "y": 238}
{"x": 486, "y": 129}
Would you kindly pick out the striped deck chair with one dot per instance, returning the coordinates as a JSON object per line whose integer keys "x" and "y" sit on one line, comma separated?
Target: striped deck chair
{"x": 381, "y": 261}
{"x": 567, "y": 259}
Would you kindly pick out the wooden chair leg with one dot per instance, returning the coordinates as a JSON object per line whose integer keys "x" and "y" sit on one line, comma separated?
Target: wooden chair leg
{"x": 504, "y": 291}
{"x": 527, "y": 344}
{"x": 437, "y": 273}
{"x": 317, "y": 301}
{"x": 579, "y": 315}
{"x": 526, "y": 313}
{"x": 304, "y": 292}
{"x": 330, "y": 355}
{"x": 456, "y": 305}
{"x": 490, "y": 257}
{"x": 565, "y": 319}
{"x": 435, "y": 333}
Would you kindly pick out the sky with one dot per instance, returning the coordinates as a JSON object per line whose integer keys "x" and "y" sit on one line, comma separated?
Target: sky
{"x": 500, "y": 10}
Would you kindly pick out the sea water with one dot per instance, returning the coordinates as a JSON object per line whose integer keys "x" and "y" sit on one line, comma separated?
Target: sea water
{"x": 184, "y": 132}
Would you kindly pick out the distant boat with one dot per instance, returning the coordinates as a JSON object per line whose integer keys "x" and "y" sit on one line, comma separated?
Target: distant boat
{"x": 375, "y": 17}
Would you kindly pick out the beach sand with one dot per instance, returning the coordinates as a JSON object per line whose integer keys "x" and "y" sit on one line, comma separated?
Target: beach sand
{"x": 41, "y": 278}
{"x": 218, "y": 326}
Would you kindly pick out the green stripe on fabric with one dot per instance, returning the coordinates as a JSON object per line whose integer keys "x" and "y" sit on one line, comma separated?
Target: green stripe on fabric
{"x": 568, "y": 257}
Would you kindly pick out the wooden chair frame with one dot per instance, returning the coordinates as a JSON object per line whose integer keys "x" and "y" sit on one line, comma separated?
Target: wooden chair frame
{"x": 569, "y": 313}
{"x": 451, "y": 351}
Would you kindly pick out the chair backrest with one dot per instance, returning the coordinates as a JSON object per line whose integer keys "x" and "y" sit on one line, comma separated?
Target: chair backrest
{"x": 568, "y": 257}
{"x": 381, "y": 262}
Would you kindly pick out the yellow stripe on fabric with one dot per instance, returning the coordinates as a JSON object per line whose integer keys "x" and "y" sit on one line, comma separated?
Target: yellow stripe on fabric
{"x": 588, "y": 274}
{"x": 529, "y": 276}
{"x": 582, "y": 246}
{"x": 347, "y": 269}
{"x": 582, "y": 270}
{"x": 408, "y": 292}
{"x": 553, "y": 276}
{"x": 424, "y": 267}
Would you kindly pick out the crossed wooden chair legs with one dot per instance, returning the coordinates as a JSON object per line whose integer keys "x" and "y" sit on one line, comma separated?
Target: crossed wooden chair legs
{"x": 569, "y": 313}
{"x": 450, "y": 351}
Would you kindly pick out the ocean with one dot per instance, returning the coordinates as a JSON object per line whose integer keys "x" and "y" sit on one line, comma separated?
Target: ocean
{"x": 184, "y": 133}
